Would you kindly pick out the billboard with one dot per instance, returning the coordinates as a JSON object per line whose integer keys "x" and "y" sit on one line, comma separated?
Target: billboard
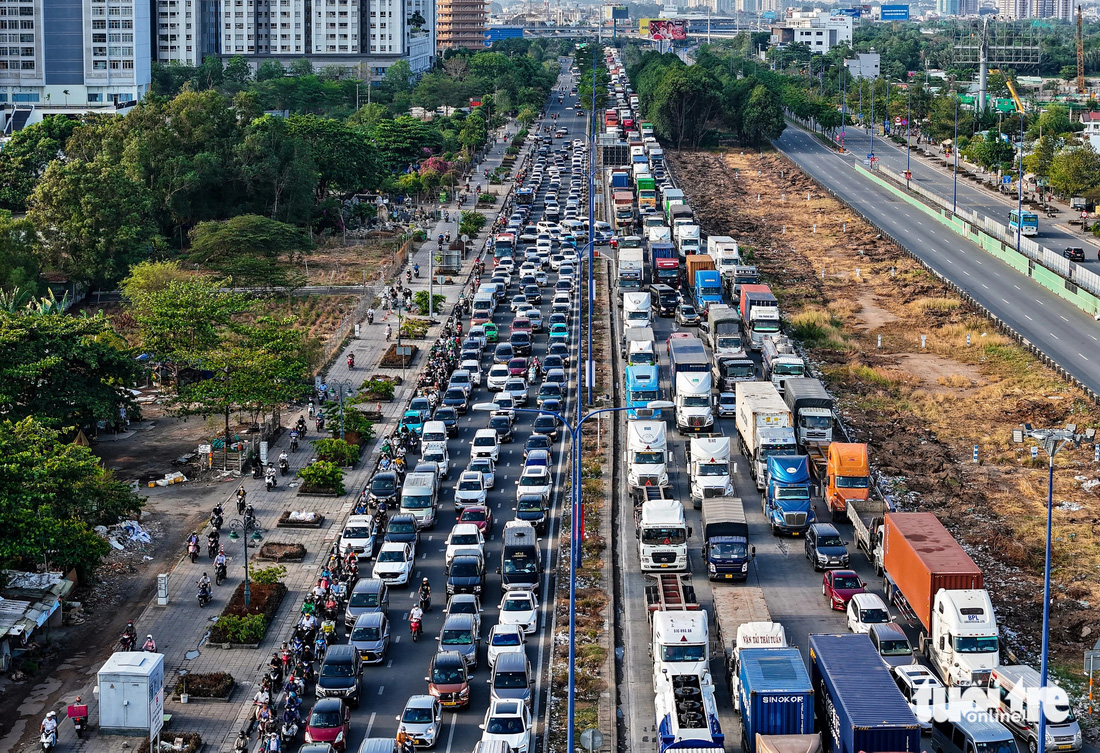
{"x": 620, "y": 13}
{"x": 895, "y": 13}
{"x": 850, "y": 12}
{"x": 670, "y": 28}
{"x": 643, "y": 26}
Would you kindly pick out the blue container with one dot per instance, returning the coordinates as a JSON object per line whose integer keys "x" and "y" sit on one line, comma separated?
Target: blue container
{"x": 776, "y": 695}
{"x": 859, "y": 708}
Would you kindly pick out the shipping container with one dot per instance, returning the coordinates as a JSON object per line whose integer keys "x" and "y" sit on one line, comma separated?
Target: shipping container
{"x": 776, "y": 695}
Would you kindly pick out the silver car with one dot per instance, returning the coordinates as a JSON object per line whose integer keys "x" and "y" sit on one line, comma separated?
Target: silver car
{"x": 512, "y": 679}
{"x": 371, "y": 637}
{"x": 462, "y": 633}
{"x": 422, "y": 720}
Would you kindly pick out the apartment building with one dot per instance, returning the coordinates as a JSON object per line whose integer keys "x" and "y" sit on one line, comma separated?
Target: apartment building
{"x": 817, "y": 30}
{"x": 461, "y": 23}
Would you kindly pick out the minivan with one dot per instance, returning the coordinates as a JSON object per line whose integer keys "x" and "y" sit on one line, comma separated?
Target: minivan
{"x": 361, "y": 535}
{"x": 434, "y": 431}
{"x": 449, "y": 679}
{"x": 418, "y": 498}
{"x": 368, "y": 595}
{"x": 338, "y": 676}
{"x": 511, "y": 678}
{"x": 891, "y": 643}
{"x": 1013, "y": 681}
{"x": 520, "y": 559}
{"x": 976, "y": 731}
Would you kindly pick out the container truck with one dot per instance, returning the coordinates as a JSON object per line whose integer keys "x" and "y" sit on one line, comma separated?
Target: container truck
{"x": 687, "y": 239}
{"x": 786, "y": 502}
{"x": 663, "y": 535}
{"x": 759, "y": 314}
{"x": 694, "y": 405}
{"x": 631, "y": 269}
{"x": 729, "y": 370}
{"x": 723, "y": 330}
{"x": 776, "y": 696}
{"x": 646, "y": 453}
{"x": 666, "y": 264}
{"x": 761, "y": 413}
{"x": 670, "y": 197}
{"x": 624, "y": 209}
{"x": 637, "y": 309}
{"x": 694, "y": 264}
{"x": 742, "y": 621}
{"x": 687, "y": 714}
{"x": 681, "y": 642}
{"x": 620, "y": 179}
{"x": 788, "y": 743}
{"x": 860, "y": 708}
{"x": 723, "y": 249}
{"x": 647, "y": 196}
{"x": 709, "y": 468}
{"x": 847, "y": 476}
{"x": 930, "y": 578}
{"x": 812, "y": 409}
{"x": 679, "y": 214}
{"x": 656, "y": 155}
{"x": 670, "y": 592}
{"x": 726, "y": 548}
{"x": 780, "y": 360}
{"x": 686, "y": 354}
{"x": 867, "y": 517}
{"x": 707, "y": 289}
{"x": 743, "y": 274}
{"x": 656, "y": 230}
{"x": 639, "y": 346}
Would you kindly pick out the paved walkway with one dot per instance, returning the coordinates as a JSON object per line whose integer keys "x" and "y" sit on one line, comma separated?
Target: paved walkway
{"x": 181, "y": 628}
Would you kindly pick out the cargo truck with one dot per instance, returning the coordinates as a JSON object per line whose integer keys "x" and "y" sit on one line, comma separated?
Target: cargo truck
{"x": 743, "y": 274}
{"x": 729, "y": 370}
{"x": 647, "y": 196}
{"x": 867, "y": 517}
{"x": 930, "y": 578}
{"x": 786, "y": 502}
{"x": 859, "y": 707}
{"x": 666, "y": 264}
{"x": 812, "y": 410}
{"x": 789, "y": 743}
{"x": 639, "y": 346}
{"x": 844, "y": 474}
{"x": 759, "y": 314}
{"x": 687, "y": 239}
{"x": 657, "y": 230}
{"x": 624, "y": 209}
{"x": 687, "y": 714}
{"x": 631, "y": 269}
{"x": 637, "y": 309}
{"x": 763, "y": 426}
{"x": 780, "y": 360}
{"x": 726, "y": 549}
{"x": 663, "y": 533}
{"x": 723, "y": 249}
{"x": 723, "y": 330}
{"x": 646, "y": 453}
{"x": 680, "y": 642}
{"x": 776, "y": 696}
{"x": 692, "y": 398}
{"x": 694, "y": 264}
{"x": 620, "y": 179}
{"x": 742, "y": 621}
{"x": 707, "y": 289}
{"x": 709, "y": 467}
{"x": 670, "y": 197}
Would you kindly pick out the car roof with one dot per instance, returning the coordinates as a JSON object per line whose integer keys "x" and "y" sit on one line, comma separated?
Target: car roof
{"x": 888, "y": 630}
{"x": 464, "y": 528}
{"x": 420, "y": 700}
{"x": 446, "y": 658}
{"x": 393, "y": 545}
{"x": 503, "y": 707}
{"x": 328, "y": 704}
{"x": 823, "y": 528}
{"x": 511, "y": 661}
{"x": 339, "y": 652}
{"x": 485, "y": 433}
{"x": 459, "y": 621}
{"x": 868, "y": 600}
{"x": 536, "y": 470}
{"x": 369, "y": 619}
{"x": 369, "y": 584}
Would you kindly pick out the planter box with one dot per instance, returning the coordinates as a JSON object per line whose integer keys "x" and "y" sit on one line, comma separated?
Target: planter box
{"x": 393, "y": 361}
{"x": 286, "y": 522}
{"x": 195, "y": 699}
{"x": 297, "y": 553}
{"x": 228, "y": 646}
{"x": 308, "y": 493}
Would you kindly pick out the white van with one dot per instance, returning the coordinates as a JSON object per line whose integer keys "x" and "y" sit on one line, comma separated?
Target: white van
{"x": 1013, "y": 682}
{"x": 418, "y": 498}
{"x": 434, "y": 431}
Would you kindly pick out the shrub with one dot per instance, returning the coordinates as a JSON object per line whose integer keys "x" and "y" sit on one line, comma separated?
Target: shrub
{"x": 268, "y": 576}
{"x": 232, "y": 629}
{"x": 354, "y": 423}
{"x": 413, "y": 327}
{"x": 206, "y": 685}
{"x": 511, "y": 150}
{"x": 379, "y": 389}
{"x": 420, "y": 298}
{"x": 486, "y": 198}
{"x": 337, "y": 450}
{"x": 192, "y": 741}
{"x": 470, "y": 222}
{"x": 323, "y": 475}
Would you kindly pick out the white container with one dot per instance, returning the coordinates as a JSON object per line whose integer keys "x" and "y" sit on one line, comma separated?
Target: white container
{"x": 131, "y": 693}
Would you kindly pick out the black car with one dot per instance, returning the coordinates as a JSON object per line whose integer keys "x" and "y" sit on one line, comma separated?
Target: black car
{"x": 558, "y": 349}
{"x": 825, "y": 548}
{"x": 338, "y": 676}
{"x": 449, "y": 417}
{"x": 384, "y": 487}
{"x": 403, "y": 529}
{"x": 503, "y": 425}
{"x": 539, "y": 441}
{"x": 545, "y": 426}
{"x": 553, "y": 362}
{"x": 532, "y": 508}
{"x": 1074, "y": 253}
{"x": 533, "y": 293}
{"x": 466, "y": 575}
{"x": 456, "y": 398}
{"x": 521, "y": 343}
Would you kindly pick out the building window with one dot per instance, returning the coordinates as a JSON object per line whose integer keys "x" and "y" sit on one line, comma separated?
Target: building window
{"x": 127, "y": 65}
{"x": 99, "y": 38}
{"x": 27, "y": 65}
{"x": 99, "y": 24}
{"x": 99, "y": 65}
{"x": 95, "y": 97}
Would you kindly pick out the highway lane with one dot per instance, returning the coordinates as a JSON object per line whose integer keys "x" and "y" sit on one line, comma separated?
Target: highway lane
{"x": 1054, "y": 233}
{"x": 388, "y": 686}
{"x": 1062, "y": 331}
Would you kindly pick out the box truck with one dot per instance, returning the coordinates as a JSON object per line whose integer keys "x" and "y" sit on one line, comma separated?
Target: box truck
{"x": 726, "y": 549}
{"x": 763, "y": 426}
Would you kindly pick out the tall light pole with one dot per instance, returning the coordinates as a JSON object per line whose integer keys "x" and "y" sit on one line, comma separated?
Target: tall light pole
{"x": 955, "y": 153}
{"x": 574, "y": 535}
{"x": 1052, "y": 441}
{"x": 243, "y": 528}
{"x": 589, "y": 367}
{"x": 1020, "y": 187}
{"x": 908, "y": 133}
{"x": 871, "y": 155}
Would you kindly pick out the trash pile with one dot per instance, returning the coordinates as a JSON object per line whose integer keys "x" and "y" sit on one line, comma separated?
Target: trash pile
{"x": 302, "y": 516}
{"x": 128, "y": 532}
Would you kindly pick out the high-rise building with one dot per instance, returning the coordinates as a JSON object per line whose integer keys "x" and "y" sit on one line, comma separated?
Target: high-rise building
{"x": 186, "y": 30}
{"x": 957, "y": 7}
{"x": 461, "y": 23}
{"x": 1014, "y": 9}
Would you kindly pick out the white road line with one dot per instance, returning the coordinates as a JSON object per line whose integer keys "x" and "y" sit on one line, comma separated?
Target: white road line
{"x": 451, "y": 734}
{"x": 1006, "y": 301}
{"x": 381, "y": 689}
{"x": 985, "y": 286}
{"x": 1017, "y": 287}
{"x": 370, "y": 723}
{"x": 1055, "y": 336}
{"x": 1063, "y": 318}
{"x": 1085, "y": 357}
{"x": 389, "y": 664}
{"x": 1028, "y": 318}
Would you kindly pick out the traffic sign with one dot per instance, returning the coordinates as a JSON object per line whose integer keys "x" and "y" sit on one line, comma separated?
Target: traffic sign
{"x": 871, "y": 155}
{"x": 1006, "y": 179}
{"x": 591, "y": 739}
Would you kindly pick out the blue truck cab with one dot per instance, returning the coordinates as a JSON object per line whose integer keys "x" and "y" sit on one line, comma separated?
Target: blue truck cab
{"x": 787, "y": 504}
{"x": 708, "y": 288}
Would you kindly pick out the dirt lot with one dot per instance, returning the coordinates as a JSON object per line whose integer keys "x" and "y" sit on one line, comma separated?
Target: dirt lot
{"x": 357, "y": 262}
{"x": 923, "y": 409}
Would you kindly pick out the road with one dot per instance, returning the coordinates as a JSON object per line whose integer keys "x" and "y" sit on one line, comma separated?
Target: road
{"x": 1054, "y": 233}
{"x": 388, "y": 686}
{"x": 1060, "y": 330}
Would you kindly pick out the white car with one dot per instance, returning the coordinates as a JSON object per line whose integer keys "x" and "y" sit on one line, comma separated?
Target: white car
{"x": 487, "y": 468}
{"x": 395, "y": 563}
{"x": 470, "y": 490}
{"x": 505, "y": 404}
{"x": 911, "y": 678}
{"x": 436, "y": 452}
{"x": 517, "y": 388}
{"x": 571, "y": 257}
{"x": 486, "y": 444}
{"x": 520, "y": 608}
{"x": 474, "y": 367}
{"x": 504, "y": 638}
{"x": 462, "y": 378}
{"x": 498, "y": 377}
{"x": 509, "y": 722}
{"x": 864, "y": 610}
{"x": 535, "y": 480}
{"x": 464, "y": 536}
{"x": 422, "y": 720}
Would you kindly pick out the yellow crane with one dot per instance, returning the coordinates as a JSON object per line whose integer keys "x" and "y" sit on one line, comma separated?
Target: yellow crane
{"x": 1011, "y": 91}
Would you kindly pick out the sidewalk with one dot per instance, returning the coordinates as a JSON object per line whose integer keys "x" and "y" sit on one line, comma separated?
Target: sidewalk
{"x": 181, "y": 628}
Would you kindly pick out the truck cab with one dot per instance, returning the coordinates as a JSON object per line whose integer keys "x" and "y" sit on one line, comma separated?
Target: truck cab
{"x": 663, "y": 535}
{"x": 647, "y": 453}
{"x": 787, "y": 504}
{"x": 709, "y": 468}
{"x": 708, "y": 290}
{"x": 848, "y": 476}
{"x": 681, "y": 644}
{"x": 694, "y": 406}
{"x": 781, "y": 360}
{"x": 762, "y": 322}
{"x": 964, "y": 646}
{"x": 727, "y": 551}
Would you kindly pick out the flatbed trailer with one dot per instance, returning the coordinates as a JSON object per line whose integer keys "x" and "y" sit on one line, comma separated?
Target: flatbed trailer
{"x": 670, "y": 592}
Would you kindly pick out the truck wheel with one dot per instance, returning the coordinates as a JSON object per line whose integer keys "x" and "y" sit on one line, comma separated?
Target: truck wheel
{"x": 922, "y": 645}
{"x": 837, "y": 517}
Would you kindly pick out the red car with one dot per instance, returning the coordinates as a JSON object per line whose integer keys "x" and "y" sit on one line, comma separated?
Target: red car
{"x": 480, "y": 516}
{"x": 839, "y": 586}
{"x": 522, "y": 324}
{"x": 518, "y": 366}
{"x": 329, "y": 722}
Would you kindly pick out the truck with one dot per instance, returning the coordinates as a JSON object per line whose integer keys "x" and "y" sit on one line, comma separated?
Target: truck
{"x": 680, "y": 642}
{"x": 666, "y": 264}
{"x": 646, "y": 453}
{"x": 742, "y": 621}
{"x": 707, "y": 289}
{"x": 639, "y": 346}
{"x": 624, "y": 209}
{"x": 686, "y": 354}
{"x": 763, "y": 426}
{"x": 726, "y": 548}
{"x": 647, "y": 193}
{"x": 637, "y": 309}
{"x": 861, "y": 709}
{"x": 670, "y": 197}
{"x": 670, "y": 592}
{"x": 679, "y": 214}
{"x": 847, "y": 477}
{"x": 789, "y": 743}
{"x": 687, "y": 714}
{"x": 786, "y": 502}
{"x": 729, "y": 370}
{"x": 663, "y": 533}
{"x": 930, "y": 579}
{"x": 723, "y": 249}
{"x": 867, "y": 517}
{"x": 642, "y": 387}
{"x": 693, "y": 403}
{"x": 656, "y": 230}
{"x": 776, "y": 696}
{"x": 723, "y": 330}
{"x": 687, "y": 239}
{"x": 709, "y": 467}
{"x": 743, "y": 274}
{"x": 694, "y": 264}
{"x": 620, "y": 179}
{"x": 812, "y": 410}
{"x": 631, "y": 269}
{"x": 759, "y": 314}
{"x": 780, "y": 360}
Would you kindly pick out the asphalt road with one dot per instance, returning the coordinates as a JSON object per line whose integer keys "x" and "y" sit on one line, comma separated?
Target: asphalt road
{"x": 1054, "y": 233}
{"x": 1062, "y": 331}
{"x": 386, "y": 687}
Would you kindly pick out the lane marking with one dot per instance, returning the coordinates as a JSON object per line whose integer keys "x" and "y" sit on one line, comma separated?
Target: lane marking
{"x": 1085, "y": 357}
{"x": 370, "y": 724}
{"x": 1055, "y": 336}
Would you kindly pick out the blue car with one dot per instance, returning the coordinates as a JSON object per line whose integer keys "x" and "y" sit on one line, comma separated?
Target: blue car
{"x": 414, "y": 421}
{"x": 559, "y": 333}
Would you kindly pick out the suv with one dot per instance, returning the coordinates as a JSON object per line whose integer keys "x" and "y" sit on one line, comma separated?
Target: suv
{"x": 825, "y": 548}
{"x": 449, "y": 679}
{"x": 369, "y": 595}
{"x": 339, "y": 674}
{"x": 1074, "y": 253}
{"x": 512, "y": 678}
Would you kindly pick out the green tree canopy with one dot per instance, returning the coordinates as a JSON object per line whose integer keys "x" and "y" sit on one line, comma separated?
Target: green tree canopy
{"x": 1074, "y": 171}
{"x": 25, "y": 156}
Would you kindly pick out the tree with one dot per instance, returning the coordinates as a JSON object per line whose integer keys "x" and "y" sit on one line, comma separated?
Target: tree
{"x": 763, "y": 116}
{"x": 684, "y": 103}
{"x": 990, "y": 153}
{"x": 19, "y": 262}
{"x": 416, "y": 21}
{"x": 270, "y": 69}
{"x": 474, "y": 133}
{"x": 1040, "y": 159}
{"x": 25, "y": 156}
{"x": 457, "y": 67}
{"x": 1074, "y": 171}
{"x": 277, "y": 171}
{"x": 237, "y": 70}
{"x": 210, "y": 74}
{"x": 221, "y": 243}
{"x": 300, "y": 67}
{"x": 1054, "y": 121}
{"x": 369, "y": 115}
{"x": 341, "y": 154}
{"x": 150, "y": 278}
{"x": 398, "y": 79}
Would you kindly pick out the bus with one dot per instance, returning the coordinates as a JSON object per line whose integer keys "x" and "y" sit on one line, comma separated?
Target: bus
{"x": 524, "y": 197}
{"x": 1029, "y": 226}
{"x": 641, "y": 387}
{"x": 504, "y": 244}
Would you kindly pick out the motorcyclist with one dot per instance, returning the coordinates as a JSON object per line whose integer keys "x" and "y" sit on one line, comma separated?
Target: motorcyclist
{"x": 425, "y": 593}
{"x": 212, "y": 540}
{"x": 220, "y": 559}
{"x": 49, "y": 724}
{"x": 149, "y": 645}
{"x": 241, "y": 494}
{"x": 370, "y": 315}
{"x": 416, "y": 270}
{"x": 204, "y": 581}
{"x": 416, "y": 617}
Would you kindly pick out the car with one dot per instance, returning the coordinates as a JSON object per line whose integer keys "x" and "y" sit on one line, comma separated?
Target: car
{"x": 504, "y": 353}
{"x": 367, "y": 596}
{"x": 553, "y": 363}
{"x": 558, "y": 317}
{"x": 505, "y": 404}
{"x": 462, "y": 633}
{"x": 866, "y": 609}
{"x": 521, "y": 324}
{"x": 449, "y": 417}
{"x": 503, "y": 639}
{"x": 402, "y": 528}
{"x": 541, "y": 278}
{"x": 486, "y": 443}
{"x": 470, "y": 490}
{"x": 449, "y": 679}
{"x": 687, "y": 316}
{"x": 558, "y": 348}
{"x": 476, "y": 334}
{"x": 549, "y": 391}
{"x": 329, "y": 721}
{"x": 487, "y": 467}
{"x": 521, "y": 342}
{"x": 556, "y": 260}
{"x": 559, "y": 333}
{"x": 532, "y": 508}
{"x": 519, "y": 301}
{"x": 561, "y": 307}
{"x": 839, "y": 586}
{"x": 421, "y": 406}
{"x": 535, "y": 480}
{"x": 338, "y": 675}
{"x": 511, "y": 678}
{"x": 461, "y": 378}
{"x": 911, "y": 679}
{"x": 509, "y": 722}
{"x": 457, "y": 398}
{"x": 464, "y": 604}
{"x": 466, "y": 572}
{"x": 1074, "y": 253}
{"x": 435, "y": 453}
{"x": 517, "y": 388}
{"x": 362, "y": 533}
{"x": 555, "y": 376}
{"x": 371, "y": 637}
{"x": 422, "y": 720}
{"x": 727, "y": 404}
{"x": 498, "y": 377}
{"x": 473, "y": 366}
{"x": 502, "y": 423}
{"x": 463, "y": 536}
{"x": 533, "y": 292}
{"x": 825, "y": 548}
{"x": 518, "y": 366}
{"x": 480, "y": 515}
{"x": 413, "y": 420}
{"x": 537, "y": 458}
{"x": 542, "y": 439}
{"x": 892, "y": 644}
{"x": 395, "y": 563}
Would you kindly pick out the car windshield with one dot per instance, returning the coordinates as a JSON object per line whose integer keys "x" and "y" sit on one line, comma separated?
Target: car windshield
{"x": 847, "y": 581}
{"x": 502, "y": 422}
{"x": 433, "y": 456}
{"x": 683, "y": 652}
{"x": 510, "y": 680}
{"x": 507, "y": 639}
{"x": 383, "y": 484}
{"x": 532, "y": 481}
{"x": 996, "y": 746}
{"x": 465, "y": 538}
{"x": 369, "y": 633}
{"x": 391, "y": 555}
{"x": 788, "y": 369}
{"x": 324, "y": 718}
{"x": 728, "y": 549}
{"x": 504, "y": 725}
{"x": 402, "y": 526}
{"x": 899, "y": 647}
{"x": 474, "y": 516}
{"x": 417, "y": 715}
{"x": 412, "y": 502}
{"x": 976, "y": 645}
{"x": 469, "y": 486}
{"x": 516, "y": 605}
{"x": 874, "y": 615}
{"x": 853, "y": 482}
{"x": 696, "y": 401}
{"x": 448, "y": 675}
{"x": 529, "y": 503}
{"x": 357, "y": 532}
{"x": 337, "y": 669}
{"x": 664, "y": 536}
{"x": 485, "y": 441}
{"x": 457, "y": 638}
{"x": 455, "y": 393}
{"x": 830, "y": 541}
{"x": 652, "y": 457}
{"x": 481, "y": 465}
{"x": 465, "y": 568}
{"x": 514, "y": 566}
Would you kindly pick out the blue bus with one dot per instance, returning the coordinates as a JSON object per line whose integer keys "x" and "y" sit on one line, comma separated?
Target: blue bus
{"x": 1029, "y": 226}
{"x": 641, "y": 387}
{"x": 524, "y": 197}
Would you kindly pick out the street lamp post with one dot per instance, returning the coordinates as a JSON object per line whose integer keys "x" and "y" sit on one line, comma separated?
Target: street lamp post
{"x": 871, "y": 155}
{"x": 955, "y": 153}
{"x": 1020, "y": 187}
{"x": 908, "y": 133}
{"x": 343, "y": 389}
{"x": 239, "y": 528}
{"x": 1052, "y": 441}
{"x": 591, "y": 230}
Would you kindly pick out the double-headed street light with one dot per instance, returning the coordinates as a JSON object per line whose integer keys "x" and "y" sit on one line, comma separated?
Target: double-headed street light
{"x": 244, "y": 528}
{"x": 575, "y": 531}
{"x": 1052, "y": 441}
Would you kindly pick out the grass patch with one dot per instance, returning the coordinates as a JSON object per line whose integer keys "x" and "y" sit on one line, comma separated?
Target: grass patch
{"x": 819, "y": 329}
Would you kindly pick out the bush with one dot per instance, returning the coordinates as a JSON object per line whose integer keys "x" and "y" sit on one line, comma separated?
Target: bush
{"x": 206, "y": 685}
{"x": 232, "y": 629}
{"x": 378, "y": 389}
{"x": 192, "y": 741}
{"x": 323, "y": 475}
{"x": 413, "y": 327}
{"x": 512, "y": 150}
{"x": 354, "y": 422}
{"x": 337, "y": 450}
{"x": 486, "y": 198}
{"x": 267, "y": 576}
{"x": 420, "y": 298}
{"x": 470, "y": 222}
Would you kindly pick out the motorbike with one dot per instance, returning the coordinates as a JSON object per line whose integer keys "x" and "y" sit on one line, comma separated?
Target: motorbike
{"x": 271, "y": 481}
{"x": 241, "y": 744}
{"x": 284, "y": 466}
{"x": 415, "y": 628}
{"x": 219, "y": 574}
{"x": 288, "y": 732}
{"x": 425, "y": 603}
{"x": 212, "y": 547}
{"x": 294, "y": 442}
{"x": 351, "y": 360}
{"x": 249, "y": 518}
{"x": 416, "y": 271}
{"x": 49, "y": 741}
{"x": 193, "y": 550}
{"x": 216, "y": 521}
{"x": 126, "y": 642}
{"x": 408, "y": 276}
{"x": 241, "y": 494}
{"x": 80, "y": 721}
{"x": 204, "y": 595}
{"x": 370, "y": 316}
{"x": 257, "y": 470}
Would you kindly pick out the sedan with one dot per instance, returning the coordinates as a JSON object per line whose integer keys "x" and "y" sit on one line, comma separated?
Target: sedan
{"x": 479, "y": 515}
{"x": 518, "y": 302}
{"x": 329, "y": 722}
{"x": 502, "y": 424}
{"x": 449, "y": 417}
{"x": 518, "y": 366}
{"x": 457, "y": 398}
{"x": 422, "y": 720}
{"x": 559, "y": 333}
{"x": 549, "y": 391}
{"x": 504, "y": 638}
{"x": 520, "y": 608}
{"x": 504, "y": 353}
{"x": 553, "y": 363}
{"x": 865, "y": 610}
{"x": 498, "y": 376}
{"x": 492, "y": 333}
{"x": 461, "y": 378}
{"x": 558, "y": 348}
{"x": 533, "y": 293}
{"x": 462, "y": 633}
{"x": 395, "y": 563}
{"x": 839, "y": 586}
{"x": 539, "y": 441}
{"x": 487, "y": 468}
{"x": 470, "y": 490}
{"x": 463, "y": 536}
{"x": 521, "y": 324}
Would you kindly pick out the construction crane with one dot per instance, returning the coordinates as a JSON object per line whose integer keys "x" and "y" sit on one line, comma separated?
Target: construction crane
{"x": 1080, "y": 53}
{"x": 1011, "y": 91}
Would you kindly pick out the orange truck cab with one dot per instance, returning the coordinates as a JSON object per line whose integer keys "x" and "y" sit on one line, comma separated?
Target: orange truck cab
{"x": 848, "y": 476}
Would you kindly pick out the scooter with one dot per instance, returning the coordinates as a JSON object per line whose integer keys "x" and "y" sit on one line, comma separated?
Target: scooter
{"x": 204, "y": 595}
{"x": 219, "y": 574}
{"x": 193, "y": 551}
{"x": 284, "y": 466}
{"x": 271, "y": 481}
{"x": 415, "y": 628}
{"x": 425, "y": 603}
{"x": 351, "y": 360}
{"x": 241, "y": 494}
{"x": 288, "y": 732}
{"x": 80, "y": 720}
{"x": 294, "y": 441}
{"x": 49, "y": 741}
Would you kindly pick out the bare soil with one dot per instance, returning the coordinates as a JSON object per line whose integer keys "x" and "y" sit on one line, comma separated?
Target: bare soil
{"x": 354, "y": 262}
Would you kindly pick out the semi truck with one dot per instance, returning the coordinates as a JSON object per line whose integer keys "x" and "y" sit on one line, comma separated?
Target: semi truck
{"x": 670, "y": 197}
{"x": 663, "y": 535}
{"x": 707, "y": 290}
{"x": 656, "y": 230}
{"x": 759, "y": 313}
{"x": 723, "y": 249}
{"x": 681, "y": 642}
{"x": 639, "y": 346}
{"x": 726, "y": 550}
{"x": 780, "y": 360}
{"x": 742, "y": 621}
{"x": 694, "y": 264}
{"x": 812, "y": 410}
{"x": 930, "y": 578}
{"x": 786, "y": 502}
{"x": 624, "y": 209}
{"x": 687, "y": 239}
{"x": 620, "y": 178}
{"x": 631, "y": 269}
{"x": 763, "y": 426}
{"x": 670, "y": 592}
{"x": 687, "y": 714}
{"x": 709, "y": 468}
{"x": 693, "y": 403}
{"x": 776, "y": 696}
{"x": 743, "y": 274}
{"x": 729, "y": 370}
{"x": 844, "y": 473}
{"x": 637, "y": 309}
{"x": 666, "y": 264}
{"x": 860, "y": 708}
{"x": 646, "y": 453}
{"x": 723, "y": 330}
